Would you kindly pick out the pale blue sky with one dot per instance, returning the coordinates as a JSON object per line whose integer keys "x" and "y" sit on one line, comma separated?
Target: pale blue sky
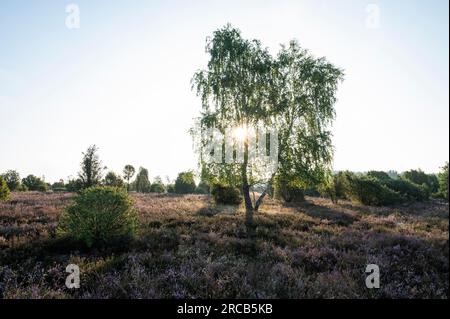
{"x": 122, "y": 81}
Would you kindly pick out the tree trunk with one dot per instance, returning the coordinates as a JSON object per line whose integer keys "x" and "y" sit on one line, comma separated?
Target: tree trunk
{"x": 246, "y": 188}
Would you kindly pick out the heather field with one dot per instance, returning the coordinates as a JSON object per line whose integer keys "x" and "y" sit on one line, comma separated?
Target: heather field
{"x": 188, "y": 247}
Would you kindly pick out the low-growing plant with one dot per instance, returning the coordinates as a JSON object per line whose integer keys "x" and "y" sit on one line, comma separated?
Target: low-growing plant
{"x": 227, "y": 195}
{"x": 185, "y": 183}
{"x": 287, "y": 192}
{"x": 99, "y": 215}
{"x": 157, "y": 188}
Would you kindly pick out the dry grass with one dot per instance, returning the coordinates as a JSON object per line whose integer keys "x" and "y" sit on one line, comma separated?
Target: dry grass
{"x": 190, "y": 248}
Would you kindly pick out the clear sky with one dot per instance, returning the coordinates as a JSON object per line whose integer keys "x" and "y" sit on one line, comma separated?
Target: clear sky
{"x": 122, "y": 80}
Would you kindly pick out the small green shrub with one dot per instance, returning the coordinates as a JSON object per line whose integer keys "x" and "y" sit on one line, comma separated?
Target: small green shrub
{"x": 370, "y": 191}
{"x": 202, "y": 188}
{"x": 157, "y": 188}
{"x": 335, "y": 186}
{"x": 99, "y": 215}
{"x": 170, "y": 188}
{"x": 185, "y": 183}
{"x": 4, "y": 190}
{"x": 287, "y": 192}
{"x": 226, "y": 195}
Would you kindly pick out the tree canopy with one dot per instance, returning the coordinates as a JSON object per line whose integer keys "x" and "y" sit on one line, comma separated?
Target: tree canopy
{"x": 290, "y": 96}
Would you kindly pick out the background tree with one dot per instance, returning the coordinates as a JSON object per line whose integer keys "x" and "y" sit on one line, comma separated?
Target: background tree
{"x": 157, "y": 186}
{"x": 443, "y": 181}
{"x": 59, "y": 186}
{"x": 91, "y": 168}
{"x": 112, "y": 179}
{"x": 128, "y": 173}
{"x": 244, "y": 87}
{"x": 185, "y": 183}
{"x": 12, "y": 179}
{"x": 4, "y": 190}
{"x": 142, "y": 182}
{"x": 74, "y": 185}
{"x": 34, "y": 183}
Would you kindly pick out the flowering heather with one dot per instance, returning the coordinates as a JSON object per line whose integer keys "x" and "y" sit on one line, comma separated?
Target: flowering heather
{"x": 190, "y": 248}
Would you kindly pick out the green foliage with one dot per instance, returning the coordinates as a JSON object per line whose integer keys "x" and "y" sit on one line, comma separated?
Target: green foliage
{"x": 12, "y": 179}
{"x": 157, "y": 186}
{"x": 288, "y": 191}
{"x": 142, "y": 183}
{"x": 335, "y": 186}
{"x": 443, "y": 181}
{"x": 226, "y": 195}
{"x": 203, "y": 188}
{"x": 294, "y": 93}
{"x": 91, "y": 168}
{"x": 128, "y": 173}
{"x": 416, "y": 176}
{"x": 99, "y": 215}
{"x": 170, "y": 188}
{"x": 58, "y": 186}
{"x": 430, "y": 181}
{"x": 22, "y": 188}
{"x": 185, "y": 183}
{"x": 34, "y": 183}
{"x": 112, "y": 179}
{"x": 379, "y": 175}
{"x": 74, "y": 185}
{"x": 370, "y": 191}
{"x": 4, "y": 190}
{"x": 408, "y": 189}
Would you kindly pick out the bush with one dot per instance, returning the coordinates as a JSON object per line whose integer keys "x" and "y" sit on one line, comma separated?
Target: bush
{"x": 114, "y": 180}
{"x": 409, "y": 190}
{"x": 4, "y": 190}
{"x": 170, "y": 188}
{"x": 12, "y": 179}
{"x": 443, "y": 181}
{"x": 226, "y": 195}
{"x": 335, "y": 188}
{"x": 98, "y": 215}
{"x": 157, "y": 188}
{"x": 74, "y": 185}
{"x": 287, "y": 192}
{"x": 185, "y": 183}
{"x": 34, "y": 183}
{"x": 202, "y": 188}
{"x": 419, "y": 177}
{"x": 370, "y": 191}
{"x": 406, "y": 188}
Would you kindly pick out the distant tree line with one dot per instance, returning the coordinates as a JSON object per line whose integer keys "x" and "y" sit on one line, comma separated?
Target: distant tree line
{"x": 371, "y": 188}
{"x": 94, "y": 173}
